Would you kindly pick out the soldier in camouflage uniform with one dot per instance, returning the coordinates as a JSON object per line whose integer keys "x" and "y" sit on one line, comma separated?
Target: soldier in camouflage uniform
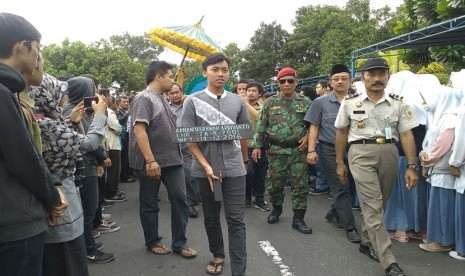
{"x": 280, "y": 124}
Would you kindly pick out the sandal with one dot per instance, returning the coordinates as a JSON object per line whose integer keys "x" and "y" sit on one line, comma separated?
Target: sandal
{"x": 186, "y": 253}
{"x": 218, "y": 268}
{"x": 159, "y": 249}
{"x": 398, "y": 236}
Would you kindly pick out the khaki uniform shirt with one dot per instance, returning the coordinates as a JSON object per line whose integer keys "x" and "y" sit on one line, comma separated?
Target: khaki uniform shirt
{"x": 368, "y": 120}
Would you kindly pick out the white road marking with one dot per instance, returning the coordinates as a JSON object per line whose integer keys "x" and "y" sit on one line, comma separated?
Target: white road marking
{"x": 271, "y": 251}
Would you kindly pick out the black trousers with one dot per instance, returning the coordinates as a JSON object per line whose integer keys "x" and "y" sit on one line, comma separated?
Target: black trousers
{"x": 126, "y": 171}
{"x": 113, "y": 173}
{"x": 23, "y": 257}
{"x": 65, "y": 258}
{"x": 89, "y": 198}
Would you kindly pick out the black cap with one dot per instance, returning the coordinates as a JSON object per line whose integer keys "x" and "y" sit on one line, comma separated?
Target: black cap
{"x": 339, "y": 68}
{"x": 375, "y": 63}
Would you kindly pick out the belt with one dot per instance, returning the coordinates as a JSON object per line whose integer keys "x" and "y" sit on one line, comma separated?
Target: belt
{"x": 284, "y": 144}
{"x": 378, "y": 140}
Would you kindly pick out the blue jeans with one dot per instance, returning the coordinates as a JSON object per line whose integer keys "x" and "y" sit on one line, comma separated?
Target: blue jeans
{"x": 23, "y": 257}
{"x": 173, "y": 178}
{"x": 321, "y": 183}
{"x": 255, "y": 180}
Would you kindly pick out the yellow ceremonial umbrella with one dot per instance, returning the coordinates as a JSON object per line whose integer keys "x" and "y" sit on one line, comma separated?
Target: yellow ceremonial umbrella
{"x": 191, "y": 41}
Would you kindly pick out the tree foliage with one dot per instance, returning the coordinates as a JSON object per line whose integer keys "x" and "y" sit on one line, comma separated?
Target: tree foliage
{"x": 121, "y": 59}
{"x": 264, "y": 53}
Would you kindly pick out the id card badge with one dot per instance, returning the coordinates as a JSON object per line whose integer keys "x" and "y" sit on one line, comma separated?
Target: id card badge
{"x": 387, "y": 129}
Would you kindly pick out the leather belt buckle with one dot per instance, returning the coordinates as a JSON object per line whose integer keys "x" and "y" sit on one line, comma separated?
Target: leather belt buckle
{"x": 380, "y": 140}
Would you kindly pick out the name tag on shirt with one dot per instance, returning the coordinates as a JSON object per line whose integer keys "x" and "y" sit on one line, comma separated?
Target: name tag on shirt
{"x": 359, "y": 111}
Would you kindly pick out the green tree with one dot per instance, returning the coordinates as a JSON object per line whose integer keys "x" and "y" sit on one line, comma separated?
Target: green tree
{"x": 139, "y": 47}
{"x": 265, "y": 53}
{"x": 98, "y": 59}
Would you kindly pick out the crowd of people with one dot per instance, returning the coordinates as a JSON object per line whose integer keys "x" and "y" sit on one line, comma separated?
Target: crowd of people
{"x": 388, "y": 145}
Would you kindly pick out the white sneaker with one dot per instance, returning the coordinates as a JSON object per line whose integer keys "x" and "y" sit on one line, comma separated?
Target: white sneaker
{"x": 106, "y": 217}
{"x": 108, "y": 223}
{"x": 456, "y": 255}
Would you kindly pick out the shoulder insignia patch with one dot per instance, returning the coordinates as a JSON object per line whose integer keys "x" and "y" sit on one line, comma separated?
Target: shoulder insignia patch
{"x": 396, "y": 97}
{"x": 352, "y": 96}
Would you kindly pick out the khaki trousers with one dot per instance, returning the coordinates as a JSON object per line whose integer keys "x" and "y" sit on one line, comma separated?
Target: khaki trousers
{"x": 374, "y": 168}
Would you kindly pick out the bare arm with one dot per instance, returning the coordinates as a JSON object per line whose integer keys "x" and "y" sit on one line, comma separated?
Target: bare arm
{"x": 152, "y": 168}
{"x": 312, "y": 156}
{"x": 408, "y": 145}
{"x": 197, "y": 153}
{"x": 341, "y": 144}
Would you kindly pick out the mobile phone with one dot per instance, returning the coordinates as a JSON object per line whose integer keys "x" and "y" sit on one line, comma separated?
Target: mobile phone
{"x": 88, "y": 101}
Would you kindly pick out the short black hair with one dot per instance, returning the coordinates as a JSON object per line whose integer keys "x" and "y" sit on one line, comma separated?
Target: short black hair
{"x": 324, "y": 84}
{"x": 104, "y": 92}
{"x": 309, "y": 92}
{"x": 215, "y": 58}
{"x": 246, "y": 81}
{"x": 256, "y": 84}
{"x": 121, "y": 97}
{"x": 14, "y": 29}
{"x": 156, "y": 67}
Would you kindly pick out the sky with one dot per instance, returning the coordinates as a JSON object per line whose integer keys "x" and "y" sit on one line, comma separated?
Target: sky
{"x": 225, "y": 22}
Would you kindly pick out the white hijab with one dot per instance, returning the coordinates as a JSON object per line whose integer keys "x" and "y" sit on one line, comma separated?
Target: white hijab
{"x": 444, "y": 116}
{"x": 407, "y": 85}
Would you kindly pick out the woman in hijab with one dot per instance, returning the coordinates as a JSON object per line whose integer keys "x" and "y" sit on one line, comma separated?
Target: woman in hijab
{"x": 64, "y": 251}
{"x": 435, "y": 160}
{"x": 457, "y": 162}
{"x": 405, "y": 215}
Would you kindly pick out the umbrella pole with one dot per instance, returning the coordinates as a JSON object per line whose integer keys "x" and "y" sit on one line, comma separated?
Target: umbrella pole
{"x": 180, "y": 66}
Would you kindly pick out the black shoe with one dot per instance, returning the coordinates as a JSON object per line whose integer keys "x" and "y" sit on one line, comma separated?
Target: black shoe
{"x": 98, "y": 246}
{"x": 353, "y": 236}
{"x": 300, "y": 225}
{"x": 100, "y": 258}
{"x": 275, "y": 213}
{"x": 248, "y": 203}
{"x": 333, "y": 220}
{"x": 317, "y": 191}
{"x": 394, "y": 270}
{"x": 193, "y": 212}
{"x": 129, "y": 180}
{"x": 260, "y": 205}
{"x": 369, "y": 251}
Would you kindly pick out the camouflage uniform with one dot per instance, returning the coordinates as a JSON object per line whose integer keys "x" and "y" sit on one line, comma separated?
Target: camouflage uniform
{"x": 282, "y": 120}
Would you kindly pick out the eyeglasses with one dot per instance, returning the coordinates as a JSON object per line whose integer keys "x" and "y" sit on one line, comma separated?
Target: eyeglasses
{"x": 290, "y": 81}
{"x": 340, "y": 79}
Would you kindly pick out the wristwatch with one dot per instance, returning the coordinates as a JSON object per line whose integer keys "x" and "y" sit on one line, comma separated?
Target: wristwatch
{"x": 413, "y": 167}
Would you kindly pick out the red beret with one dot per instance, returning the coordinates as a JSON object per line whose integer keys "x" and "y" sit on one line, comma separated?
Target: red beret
{"x": 287, "y": 71}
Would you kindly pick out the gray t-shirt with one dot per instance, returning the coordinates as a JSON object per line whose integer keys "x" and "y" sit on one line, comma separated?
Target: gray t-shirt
{"x": 205, "y": 109}
{"x": 323, "y": 113}
{"x": 149, "y": 107}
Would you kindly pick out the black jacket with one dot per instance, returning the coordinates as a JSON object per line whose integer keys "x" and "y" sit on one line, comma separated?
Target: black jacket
{"x": 25, "y": 186}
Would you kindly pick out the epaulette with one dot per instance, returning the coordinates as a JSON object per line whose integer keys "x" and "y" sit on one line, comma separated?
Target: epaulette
{"x": 351, "y": 96}
{"x": 396, "y": 97}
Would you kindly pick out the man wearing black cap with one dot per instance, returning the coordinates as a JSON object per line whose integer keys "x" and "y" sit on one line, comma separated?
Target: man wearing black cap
{"x": 372, "y": 122}
{"x": 321, "y": 116}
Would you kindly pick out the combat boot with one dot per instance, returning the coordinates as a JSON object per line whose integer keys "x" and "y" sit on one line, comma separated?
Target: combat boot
{"x": 299, "y": 224}
{"x": 275, "y": 213}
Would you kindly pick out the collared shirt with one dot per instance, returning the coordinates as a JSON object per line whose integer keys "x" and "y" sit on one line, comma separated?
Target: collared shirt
{"x": 151, "y": 108}
{"x": 323, "y": 113}
{"x": 177, "y": 110}
{"x": 368, "y": 120}
{"x": 253, "y": 119}
{"x": 206, "y": 109}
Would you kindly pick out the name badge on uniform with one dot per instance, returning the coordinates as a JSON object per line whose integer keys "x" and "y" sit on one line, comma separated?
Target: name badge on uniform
{"x": 387, "y": 129}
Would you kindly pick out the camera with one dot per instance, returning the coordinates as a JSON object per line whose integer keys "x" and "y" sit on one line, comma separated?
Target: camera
{"x": 88, "y": 101}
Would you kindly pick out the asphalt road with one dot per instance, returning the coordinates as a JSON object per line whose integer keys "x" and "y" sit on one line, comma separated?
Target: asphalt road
{"x": 272, "y": 249}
